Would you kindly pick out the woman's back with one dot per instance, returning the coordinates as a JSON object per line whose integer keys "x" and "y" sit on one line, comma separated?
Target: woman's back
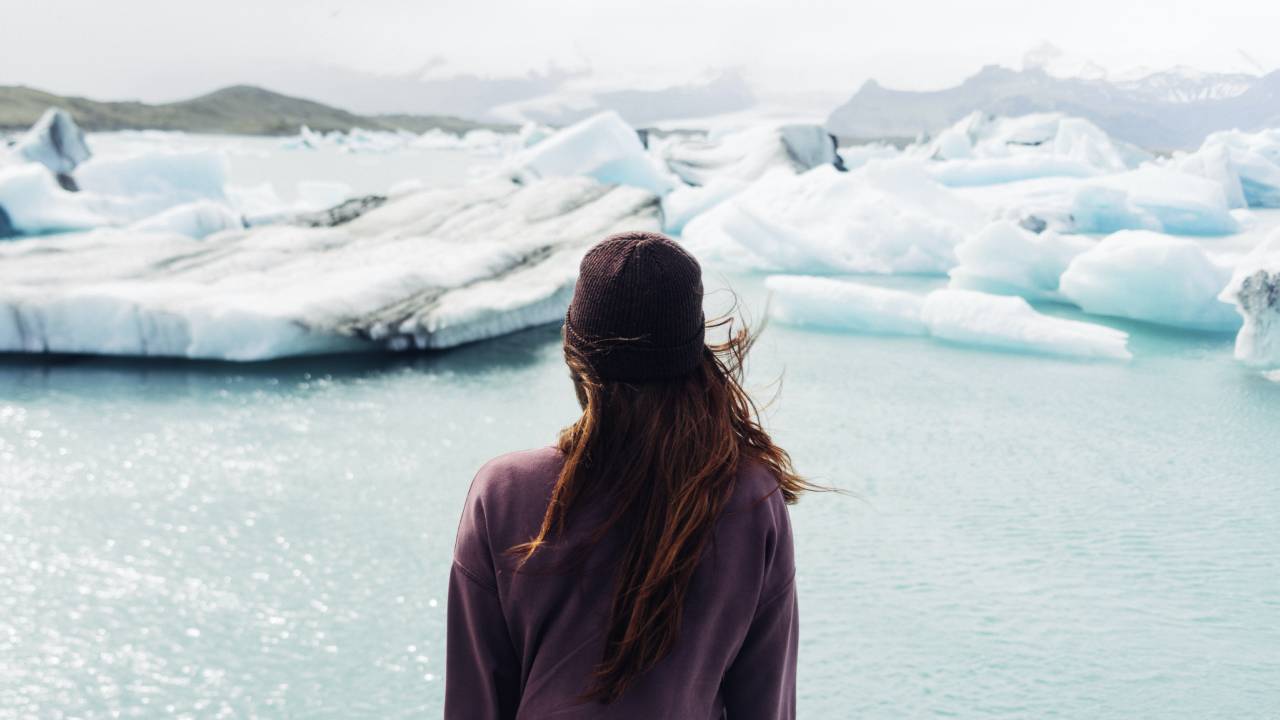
{"x": 545, "y": 623}
{"x": 643, "y": 566}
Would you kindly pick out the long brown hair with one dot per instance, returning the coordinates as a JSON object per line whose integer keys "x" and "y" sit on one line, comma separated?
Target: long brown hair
{"x": 666, "y": 453}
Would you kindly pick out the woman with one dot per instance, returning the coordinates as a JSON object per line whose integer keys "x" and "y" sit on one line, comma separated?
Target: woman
{"x": 642, "y": 567}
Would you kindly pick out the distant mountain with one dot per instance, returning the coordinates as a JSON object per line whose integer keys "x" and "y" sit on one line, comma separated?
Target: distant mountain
{"x": 724, "y": 92}
{"x": 421, "y": 92}
{"x": 240, "y": 109}
{"x": 1162, "y": 111}
{"x": 1186, "y": 85}
{"x": 554, "y": 96}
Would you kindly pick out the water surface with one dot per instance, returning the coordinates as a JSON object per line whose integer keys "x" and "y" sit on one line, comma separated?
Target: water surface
{"x": 1031, "y": 537}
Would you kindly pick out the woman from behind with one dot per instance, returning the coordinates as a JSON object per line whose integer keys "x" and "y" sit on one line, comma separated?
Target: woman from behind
{"x": 642, "y": 567}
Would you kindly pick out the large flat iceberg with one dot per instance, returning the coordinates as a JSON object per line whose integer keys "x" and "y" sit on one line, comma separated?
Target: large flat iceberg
{"x": 429, "y": 269}
{"x": 809, "y": 301}
{"x": 1009, "y": 323}
{"x": 1152, "y": 277}
{"x": 961, "y": 316}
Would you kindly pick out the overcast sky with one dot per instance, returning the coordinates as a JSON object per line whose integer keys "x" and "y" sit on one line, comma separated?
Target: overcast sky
{"x": 165, "y": 49}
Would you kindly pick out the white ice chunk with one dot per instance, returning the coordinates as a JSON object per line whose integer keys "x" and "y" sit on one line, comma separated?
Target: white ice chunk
{"x": 1157, "y": 199}
{"x": 196, "y": 220}
{"x": 34, "y": 202}
{"x": 55, "y": 141}
{"x": 428, "y": 269}
{"x": 855, "y": 156}
{"x": 195, "y": 175}
{"x": 887, "y": 217}
{"x": 1009, "y": 323}
{"x": 810, "y": 301}
{"x": 993, "y": 171}
{"x": 1152, "y": 277}
{"x": 745, "y": 155}
{"x": 1255, "y": 291}
{"x": 688, "y": 201}
{"x": 1006, "y": 259}
{"x": 113, "y": 191}
{"x": 361, "y": 141}
{"x": 1149, "y": 198}
{"x": 532, "y": 133}
{"x": 1246, "y": 165}
{"x": 981, "y": 149}
{"x": 961, "y": 316}
{"x": 603, "y": 147}
{"x": 953, "y": 143}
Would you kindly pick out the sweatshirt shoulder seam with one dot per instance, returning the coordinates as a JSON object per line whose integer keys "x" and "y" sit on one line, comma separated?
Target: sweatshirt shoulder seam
{"x": 475, "y": 577}
{"x": 779, "y": 594}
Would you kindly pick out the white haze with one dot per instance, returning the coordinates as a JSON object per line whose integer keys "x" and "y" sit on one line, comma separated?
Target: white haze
{"x": 157, "y": 50}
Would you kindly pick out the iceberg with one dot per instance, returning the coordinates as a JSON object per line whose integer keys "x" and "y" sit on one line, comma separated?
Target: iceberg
{"x": 1255, "y": 290}
{"x": 1155, "y": 278}
{"x": 1246, "y": 165}
{"x": 196, "y": 220}
{"x": 962, "y": 316}
{"x": 603, "y": 147}
{"x": 1154, "y": 198}
{"x": 532, "y": 133}
{"x": 33, "y": 202}
{"x": 746, "y": 155}
{"x": 362, "y": 141}
{"x": 160, "y": 179}
{"x": 809, "y": 301}
{"x": 719, "y": 165}
{"x": 855, "y": 156}
{"x": 995, "y": 171}
{"x": 1007, "y": 259}
{"x": 429, "y": 269}
{"x": 689, "y": 201}
{"x": 985, "y": 150}
{"x": 887, "y": 217}
{"x": 1009, "y": 323}
{"x": 56, "y": 142}
{"x": 112, "y": 191}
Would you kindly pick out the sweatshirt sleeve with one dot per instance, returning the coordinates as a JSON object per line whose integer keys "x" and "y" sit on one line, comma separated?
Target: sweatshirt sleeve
{"x": 482, "y": 672}
{"x": 761, "y": 682}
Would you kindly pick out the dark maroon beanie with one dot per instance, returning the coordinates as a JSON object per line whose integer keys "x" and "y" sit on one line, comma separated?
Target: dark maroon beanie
{"x": 637, "y": 309}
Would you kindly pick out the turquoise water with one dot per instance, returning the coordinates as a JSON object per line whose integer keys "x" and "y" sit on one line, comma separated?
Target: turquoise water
{"x": 1030, "y": 537}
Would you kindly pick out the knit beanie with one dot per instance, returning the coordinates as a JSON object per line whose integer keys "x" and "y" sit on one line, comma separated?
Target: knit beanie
{"x": 637, "y": 308}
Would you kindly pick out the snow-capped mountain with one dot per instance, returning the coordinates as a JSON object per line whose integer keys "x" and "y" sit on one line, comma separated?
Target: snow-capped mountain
{"x": 1185, "y": 85}
{"x": 1181, "y": 83}
{"x": 1165, "y": 110}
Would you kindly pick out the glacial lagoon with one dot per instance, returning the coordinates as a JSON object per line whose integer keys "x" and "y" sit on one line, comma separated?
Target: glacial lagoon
{"x": 1021, "y": 535}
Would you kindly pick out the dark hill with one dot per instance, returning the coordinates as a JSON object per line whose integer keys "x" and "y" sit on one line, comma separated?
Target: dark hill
{"x": 240, "y": 109}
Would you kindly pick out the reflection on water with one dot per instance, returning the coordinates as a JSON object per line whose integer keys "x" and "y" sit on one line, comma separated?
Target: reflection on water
{"x": 1032, "y": 536}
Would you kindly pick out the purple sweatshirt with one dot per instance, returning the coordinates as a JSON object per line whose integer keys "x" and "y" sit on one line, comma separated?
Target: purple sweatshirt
{"x": 523, "y": 644}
